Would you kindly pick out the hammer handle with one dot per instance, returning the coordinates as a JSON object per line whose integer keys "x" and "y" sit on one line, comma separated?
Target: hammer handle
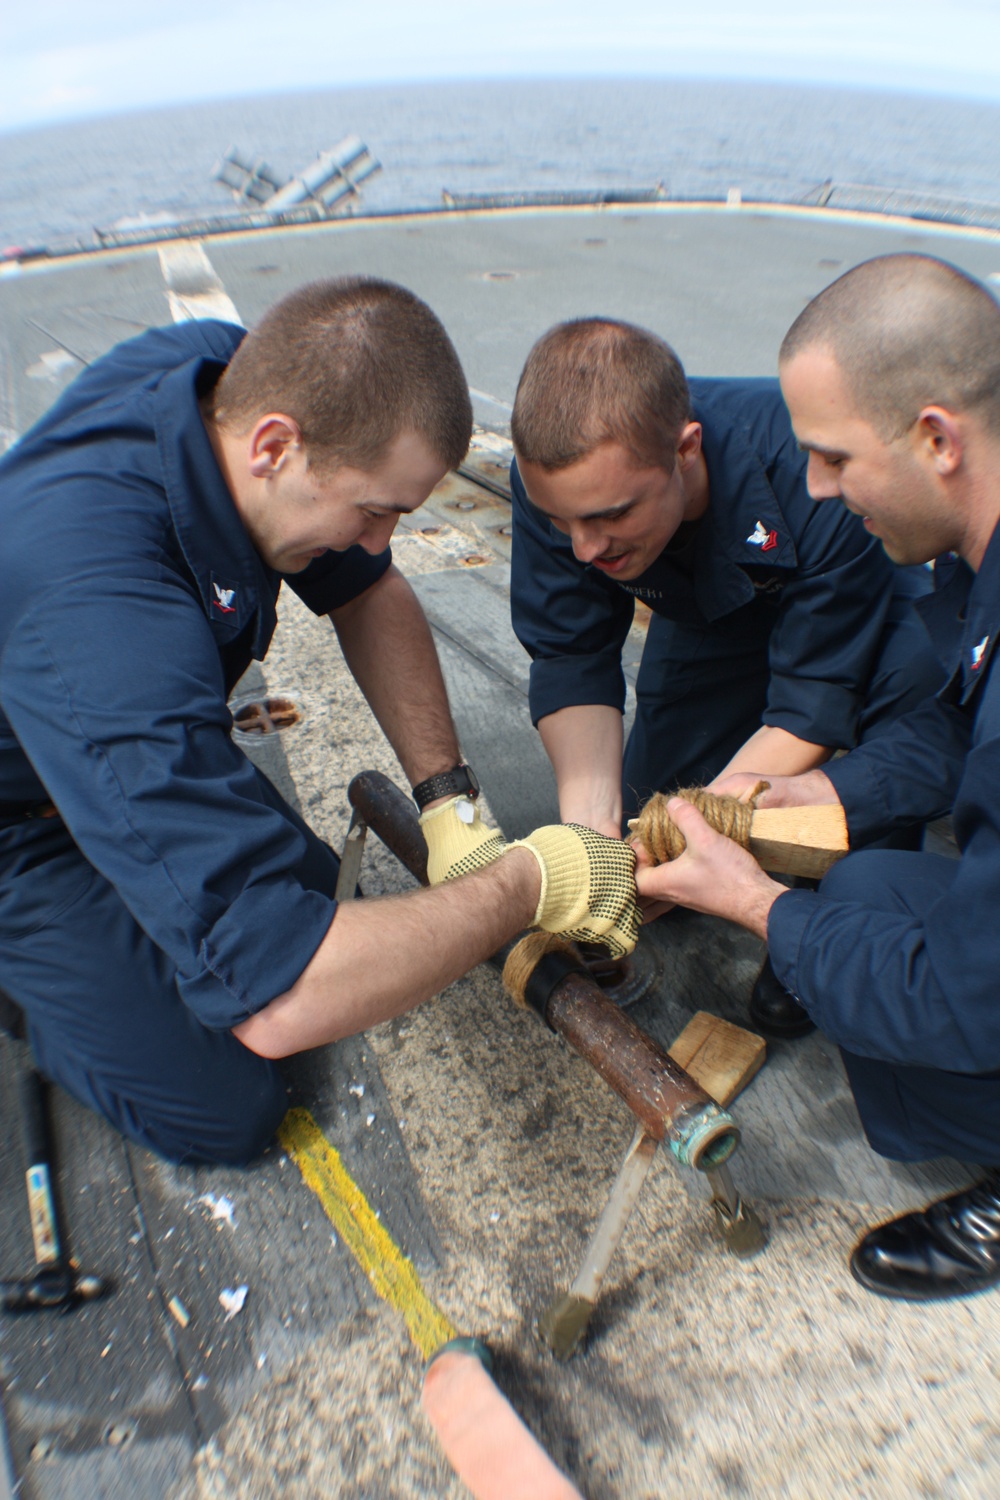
{"x": 33, "y": 1127}
{"x": 41, "y": 1202}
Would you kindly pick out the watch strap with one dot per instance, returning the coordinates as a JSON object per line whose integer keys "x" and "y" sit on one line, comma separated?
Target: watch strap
{"x": 459, "y": 781}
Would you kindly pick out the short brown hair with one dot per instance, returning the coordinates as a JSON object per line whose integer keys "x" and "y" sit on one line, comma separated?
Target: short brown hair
{"x": 355, "y": 361}
{"x": 907, "y": 331}
{"x": 596, "y": 380}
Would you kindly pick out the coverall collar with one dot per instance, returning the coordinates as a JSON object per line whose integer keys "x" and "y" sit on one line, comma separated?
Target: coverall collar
{"x": 982, "y": 625}
{"x": 232, "y": 580}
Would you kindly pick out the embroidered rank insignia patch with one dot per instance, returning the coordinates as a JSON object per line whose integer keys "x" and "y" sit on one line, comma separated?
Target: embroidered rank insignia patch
{"x": 978, "y": 653}
{"x": 223, "y": 600}
{"x": 762, "y": 538}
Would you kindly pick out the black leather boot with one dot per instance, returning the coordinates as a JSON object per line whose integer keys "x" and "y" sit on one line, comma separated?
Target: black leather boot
{"x": 774, "y": 1011}
{"x": 950, "y": 1250}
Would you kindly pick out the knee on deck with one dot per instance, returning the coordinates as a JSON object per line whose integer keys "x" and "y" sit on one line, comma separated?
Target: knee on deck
{"x": 234, "y": 1131}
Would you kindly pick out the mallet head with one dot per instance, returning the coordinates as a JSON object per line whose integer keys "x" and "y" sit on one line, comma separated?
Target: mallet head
{"x": 51, "y": 1287}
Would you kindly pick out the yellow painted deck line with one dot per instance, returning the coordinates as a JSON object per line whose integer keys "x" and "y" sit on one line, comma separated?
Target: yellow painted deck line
{"x": 390, "y": 1272}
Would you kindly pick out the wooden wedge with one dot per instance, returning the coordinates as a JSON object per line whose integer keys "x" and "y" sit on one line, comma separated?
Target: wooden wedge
{"x": 720, "y": 1056}
{"x": 798, "y": 840}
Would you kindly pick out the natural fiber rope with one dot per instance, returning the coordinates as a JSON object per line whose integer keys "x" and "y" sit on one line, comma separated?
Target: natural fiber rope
{"x": 521, "y": 961}
{"x": 663, "y": 840}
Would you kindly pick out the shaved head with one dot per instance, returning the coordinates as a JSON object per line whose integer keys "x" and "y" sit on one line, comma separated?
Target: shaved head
{"x": 907, "y": 332}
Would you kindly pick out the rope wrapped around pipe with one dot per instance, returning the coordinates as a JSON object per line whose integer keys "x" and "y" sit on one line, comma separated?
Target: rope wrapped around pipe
{"x": 524, "y": 957}
{"x": 663, "y": 840}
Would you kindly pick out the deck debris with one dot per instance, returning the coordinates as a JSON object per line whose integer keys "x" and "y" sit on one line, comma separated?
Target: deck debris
{"x": 232, "y": 1299}
{"x": 357, "y": 1089}
{"x": 221, "y": 1206}
{"x": 179, "y": 1311}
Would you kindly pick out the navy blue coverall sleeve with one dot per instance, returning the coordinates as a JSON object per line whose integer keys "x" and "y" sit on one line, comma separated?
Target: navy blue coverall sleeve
{"x": 910, "y": 774}
{"x": 570, "y": 621}
{"x": 901, "y": 989}
{"x": 114, "y": 689}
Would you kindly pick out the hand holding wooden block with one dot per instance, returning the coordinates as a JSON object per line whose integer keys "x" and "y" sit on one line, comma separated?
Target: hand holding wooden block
{"x": 784, "y": 840}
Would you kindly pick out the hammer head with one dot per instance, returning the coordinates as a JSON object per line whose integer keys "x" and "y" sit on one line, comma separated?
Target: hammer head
{"x": 51, "y": 1286}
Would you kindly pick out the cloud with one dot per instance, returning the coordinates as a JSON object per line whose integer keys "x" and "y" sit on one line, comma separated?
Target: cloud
{"x": 63, "y": 59}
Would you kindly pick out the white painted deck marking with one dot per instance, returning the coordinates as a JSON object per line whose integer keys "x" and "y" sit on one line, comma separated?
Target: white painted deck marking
{"x": 53, "y": 364}
{"x": 493, "y": 400}
{"x": 194, "y": 288}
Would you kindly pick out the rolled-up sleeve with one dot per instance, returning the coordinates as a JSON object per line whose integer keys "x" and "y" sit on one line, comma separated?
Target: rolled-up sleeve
{"x": 116, "y": 695}
{"x": 570, "y": 621}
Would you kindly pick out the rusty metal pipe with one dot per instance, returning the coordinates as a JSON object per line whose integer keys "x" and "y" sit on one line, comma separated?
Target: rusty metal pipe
{"x": 665, "y": 1099}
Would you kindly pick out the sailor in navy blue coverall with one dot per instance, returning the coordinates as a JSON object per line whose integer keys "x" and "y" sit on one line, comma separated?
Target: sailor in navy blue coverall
{"x": 892, "y": 377}
{"x": 138, "y": 926}
{"x": 898, "y": 963}
{"x": 166, "y": 921}
{"x": 769, "y": 610}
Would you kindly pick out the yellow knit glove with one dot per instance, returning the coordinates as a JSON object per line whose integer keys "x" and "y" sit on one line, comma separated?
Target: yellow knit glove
{"x": 458, "y": 841}
{"x": 588, "y": 886}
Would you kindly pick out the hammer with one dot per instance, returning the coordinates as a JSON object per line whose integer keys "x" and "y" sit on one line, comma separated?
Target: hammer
{"x": 55, "y": 1282}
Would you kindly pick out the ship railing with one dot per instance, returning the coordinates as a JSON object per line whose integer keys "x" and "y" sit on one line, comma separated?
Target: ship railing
{"x": 863, "y": 197}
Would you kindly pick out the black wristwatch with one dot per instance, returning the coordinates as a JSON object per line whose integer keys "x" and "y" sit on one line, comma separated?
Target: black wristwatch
{"x": 454, "y": 783}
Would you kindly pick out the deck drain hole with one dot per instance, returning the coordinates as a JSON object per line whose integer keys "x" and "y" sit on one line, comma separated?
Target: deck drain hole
{"x": 117, "y": 1435}
{"x": 474, "y": 560}
{"x": 500, "y": 276}
{"x": 504, "y": 531}
{"x": 267, "y": 716}
{"x": 429, "y": 530}
{"x": 463, "y": 505}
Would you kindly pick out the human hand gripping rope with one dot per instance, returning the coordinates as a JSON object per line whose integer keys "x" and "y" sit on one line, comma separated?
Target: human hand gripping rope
{"x": 588, "y": 886}
{"x": 731, "y": 816}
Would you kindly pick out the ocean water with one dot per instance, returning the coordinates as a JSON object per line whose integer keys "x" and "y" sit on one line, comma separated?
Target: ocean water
{"x": 698, "y": 138}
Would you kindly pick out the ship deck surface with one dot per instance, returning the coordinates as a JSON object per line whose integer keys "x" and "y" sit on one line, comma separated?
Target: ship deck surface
{"x": 486, "y": 1147}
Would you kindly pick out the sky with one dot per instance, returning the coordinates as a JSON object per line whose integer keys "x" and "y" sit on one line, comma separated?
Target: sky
{"x": 66, "y": 59}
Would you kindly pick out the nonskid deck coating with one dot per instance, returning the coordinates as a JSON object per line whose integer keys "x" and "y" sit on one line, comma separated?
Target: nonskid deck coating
{"x": 491, "y": 1148}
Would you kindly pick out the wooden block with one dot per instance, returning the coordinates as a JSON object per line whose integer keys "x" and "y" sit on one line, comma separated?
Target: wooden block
{"x": 798, "y": 840}
{"x": 720, "y": 1056}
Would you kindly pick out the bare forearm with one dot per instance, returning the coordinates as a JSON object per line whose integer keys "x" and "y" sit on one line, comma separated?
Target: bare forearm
{"x": 388, "y": 646}
{"x": 382, "y": 957}
{"x": 584, "y": 744}
{"x": 773, "y": 751}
